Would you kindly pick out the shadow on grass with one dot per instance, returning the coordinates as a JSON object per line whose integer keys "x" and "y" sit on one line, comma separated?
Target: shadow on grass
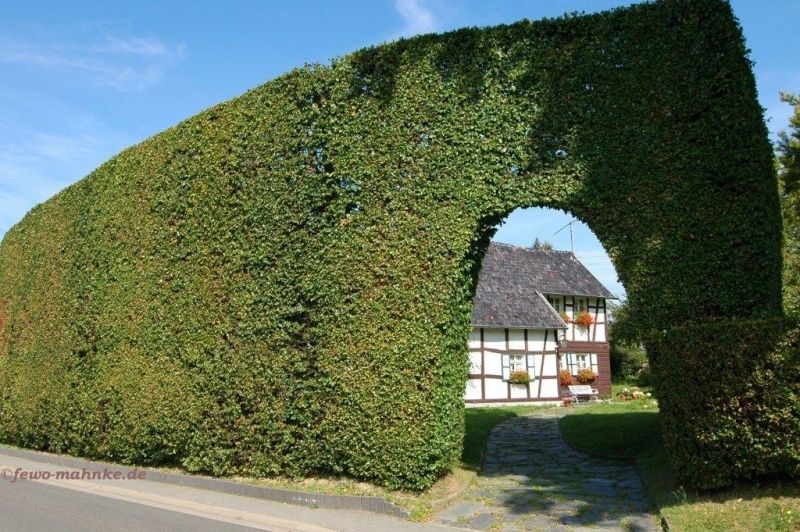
{"x": 614, "y": 435}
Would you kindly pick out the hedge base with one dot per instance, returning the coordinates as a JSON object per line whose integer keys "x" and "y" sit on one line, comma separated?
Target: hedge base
{"x": 730, "y": 399}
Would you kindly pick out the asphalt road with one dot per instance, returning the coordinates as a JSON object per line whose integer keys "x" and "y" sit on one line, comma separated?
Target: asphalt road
{"x": 127, "y": 505}
{"x": 36, "y": 507}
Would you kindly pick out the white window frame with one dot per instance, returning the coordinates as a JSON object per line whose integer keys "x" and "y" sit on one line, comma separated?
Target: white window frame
{"x": 571, "y": 362}
{"x": 526, "y": 360}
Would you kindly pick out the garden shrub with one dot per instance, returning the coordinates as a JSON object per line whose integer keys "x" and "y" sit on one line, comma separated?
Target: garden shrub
{"x": 283, "y": 283}
{"x": 627, "y": 360}
{"x": 644, "y": 377}
{"x": 738, "y": 381}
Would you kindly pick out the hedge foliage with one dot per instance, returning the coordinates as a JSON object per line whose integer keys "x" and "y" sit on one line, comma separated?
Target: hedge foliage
{"x": 788, "y": 149}
{"x": 738, "y": 381}
{"x": 283, "y": 283}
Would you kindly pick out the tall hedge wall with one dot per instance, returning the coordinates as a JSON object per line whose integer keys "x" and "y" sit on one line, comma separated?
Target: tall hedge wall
{"x": 283, "y": 283}
{"x": 738, "y": 381}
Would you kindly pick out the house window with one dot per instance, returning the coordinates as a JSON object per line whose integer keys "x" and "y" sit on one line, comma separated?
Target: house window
{"x": 574, "y": 362}
{"x": 513, "y": 362}
{"x": 555, "y": 302}
{"x": 580, "y": 305}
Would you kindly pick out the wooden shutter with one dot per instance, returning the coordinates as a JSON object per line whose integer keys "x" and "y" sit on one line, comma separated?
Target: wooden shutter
{"x": 506, "y": 364}
{"x": 530, "y": 362}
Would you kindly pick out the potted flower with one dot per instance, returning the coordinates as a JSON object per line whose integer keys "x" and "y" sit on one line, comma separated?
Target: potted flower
{"x": 586, "y": 376}
{"x": 583, "y": 319}
{"x": 565, "y": 379}
{"x": 520, "y": 377}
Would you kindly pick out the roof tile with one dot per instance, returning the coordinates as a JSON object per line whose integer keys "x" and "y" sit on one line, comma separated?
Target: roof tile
{"x": 512, "y": 279}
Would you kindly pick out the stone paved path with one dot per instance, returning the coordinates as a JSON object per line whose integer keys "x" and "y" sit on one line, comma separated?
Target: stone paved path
{"x": 532, "y": 480}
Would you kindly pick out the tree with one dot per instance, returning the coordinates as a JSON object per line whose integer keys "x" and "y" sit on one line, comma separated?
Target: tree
{"x": 623, "y": 328}
{"x": 789, "y": 150}
{"x": 541, "y": 245}
{"x": 789, "y": 171}
{"x": 628, "y": 357}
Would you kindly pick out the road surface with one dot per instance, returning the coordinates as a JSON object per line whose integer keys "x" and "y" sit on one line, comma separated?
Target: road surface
{"x": 127, "y": 505}
{"x": 35, "y": 507}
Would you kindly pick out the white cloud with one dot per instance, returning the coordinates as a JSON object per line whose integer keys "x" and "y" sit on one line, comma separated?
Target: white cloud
{"x": 126, "y": 64}
{"x": 146, "y": 46}
{"x": 37, "y": 165}
{"x": 418, "y": 18}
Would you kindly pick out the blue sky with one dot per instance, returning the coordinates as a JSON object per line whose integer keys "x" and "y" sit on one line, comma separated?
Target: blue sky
{"x": 79, "y": 81}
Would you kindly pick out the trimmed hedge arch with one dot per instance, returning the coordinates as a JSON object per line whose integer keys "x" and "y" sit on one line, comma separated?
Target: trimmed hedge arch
{"x": 282, "y": 283}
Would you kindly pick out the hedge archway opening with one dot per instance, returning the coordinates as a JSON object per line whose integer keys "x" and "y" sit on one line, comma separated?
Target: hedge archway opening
{"x": 525, "y": 225}
{"x": 282, "y": 283}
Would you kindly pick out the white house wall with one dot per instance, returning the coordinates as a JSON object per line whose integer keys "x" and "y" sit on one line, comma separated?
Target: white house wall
{"x": 495, "y": 389}
{"x": 474, "y": 362}
{"x": 516, "y": 340}
{"x": 473, "y": 390}
{"x": 550, "y": 388}
{"x": 494, "y": 339}
{"x": 597, "y": 332}
{"x": 536, "y": 340}
{"x": 486, "y": 349}
{"x": 475, "y": 338}
{"x": 493, "y": 365}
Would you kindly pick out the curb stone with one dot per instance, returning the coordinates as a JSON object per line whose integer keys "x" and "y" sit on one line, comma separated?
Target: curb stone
{"x": 376, "y": 505}
{"x": 440, "y": 504}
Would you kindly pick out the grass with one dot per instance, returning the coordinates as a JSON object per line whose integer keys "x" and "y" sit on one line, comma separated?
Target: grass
{"x": 631, "y": 430}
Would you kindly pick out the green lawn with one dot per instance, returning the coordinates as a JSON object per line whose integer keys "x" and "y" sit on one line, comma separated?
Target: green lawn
{"x": 631, "y": 430}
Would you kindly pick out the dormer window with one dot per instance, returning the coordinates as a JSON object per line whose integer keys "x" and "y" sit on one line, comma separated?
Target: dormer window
{"x": 555, "y": 302}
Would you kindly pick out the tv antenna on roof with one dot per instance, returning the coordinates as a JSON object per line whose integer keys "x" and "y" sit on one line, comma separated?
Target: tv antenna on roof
{"x": 571, "y": 238}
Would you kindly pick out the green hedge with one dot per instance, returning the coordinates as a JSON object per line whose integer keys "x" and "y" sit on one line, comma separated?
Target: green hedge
{"x": 738, "y": 381}
{"x": 283, "y": 283}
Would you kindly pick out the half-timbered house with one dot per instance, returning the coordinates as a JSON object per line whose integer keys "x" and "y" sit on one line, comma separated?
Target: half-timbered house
{"x": 525, "y": 310}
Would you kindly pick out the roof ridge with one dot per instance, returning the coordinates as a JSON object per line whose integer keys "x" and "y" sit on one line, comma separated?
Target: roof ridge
{"x": 516, "y": 246}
